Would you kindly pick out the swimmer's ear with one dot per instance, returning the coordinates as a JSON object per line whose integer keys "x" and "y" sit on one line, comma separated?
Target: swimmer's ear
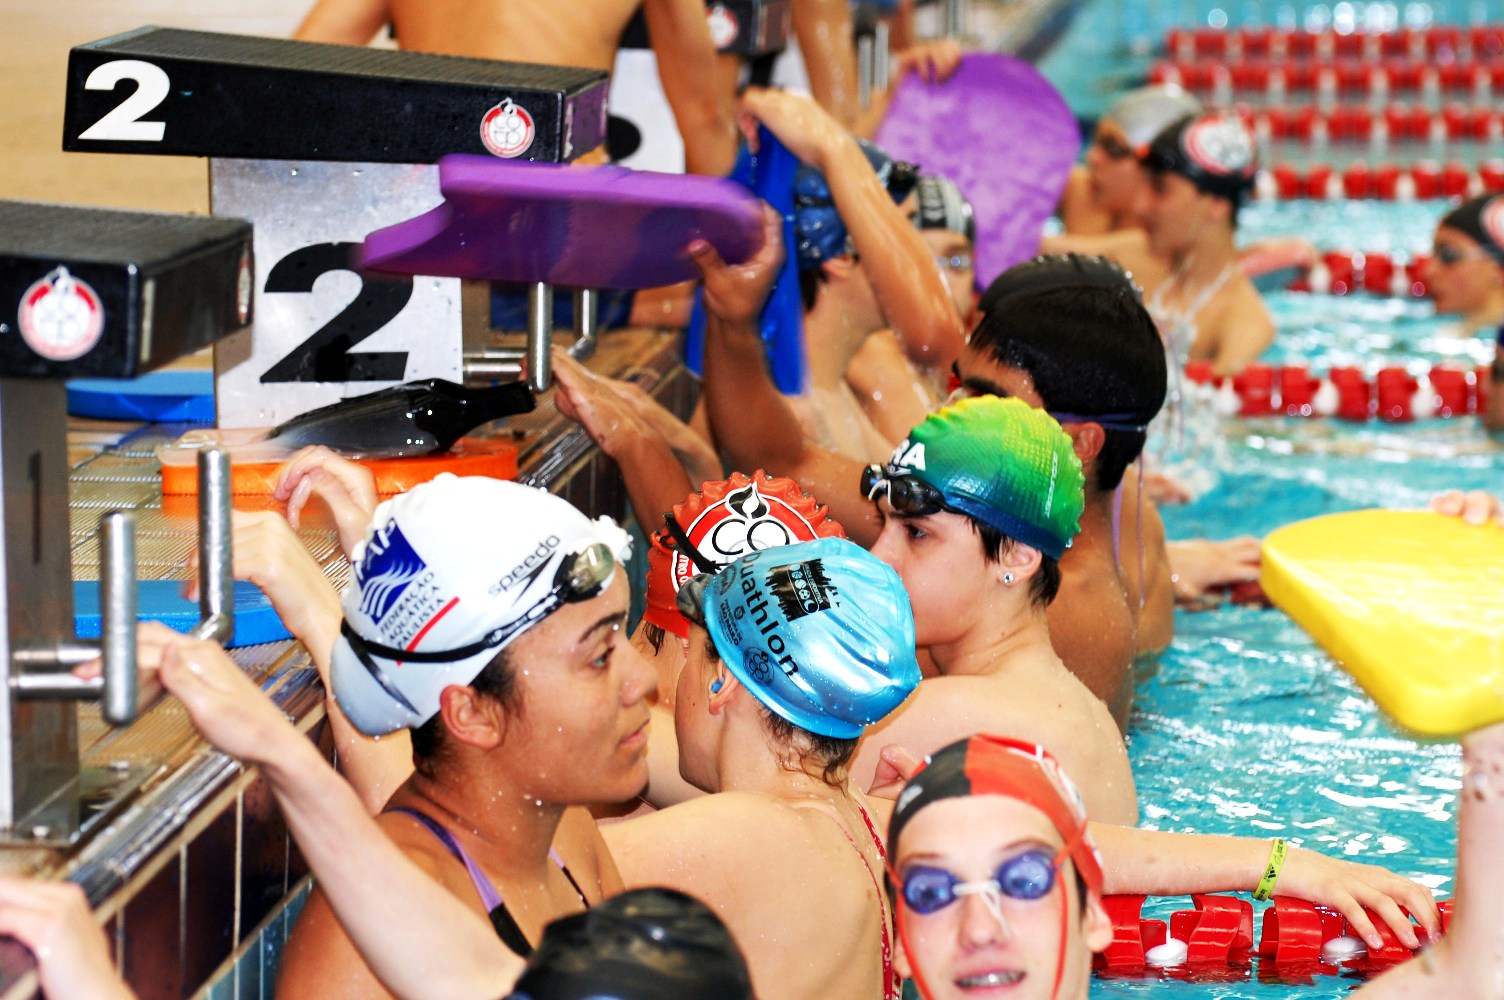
{"x": 1096, "y": 925}
{"x": 1017, "y": 564}
{"x": 901, "y": 964}
{"x": 471, "y": 718}
{"x": 838, "y": 268}
{"x": 1087, "y": 440}
{"x": 722, "y": 687}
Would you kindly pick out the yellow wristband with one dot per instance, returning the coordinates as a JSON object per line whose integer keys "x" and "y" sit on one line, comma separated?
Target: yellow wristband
{"x": 1271, "y": 870}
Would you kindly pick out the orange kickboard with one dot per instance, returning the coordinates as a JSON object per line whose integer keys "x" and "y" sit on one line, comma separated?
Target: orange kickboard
{"x": 468, "y": 457}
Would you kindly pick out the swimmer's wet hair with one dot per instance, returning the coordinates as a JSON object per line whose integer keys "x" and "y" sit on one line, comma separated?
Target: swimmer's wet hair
{"x": 1077, "y": 326}
{"x": 1043, "y": 585}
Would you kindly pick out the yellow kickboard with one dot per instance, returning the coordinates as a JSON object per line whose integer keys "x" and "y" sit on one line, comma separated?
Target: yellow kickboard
{"x": 1410, "y": 603}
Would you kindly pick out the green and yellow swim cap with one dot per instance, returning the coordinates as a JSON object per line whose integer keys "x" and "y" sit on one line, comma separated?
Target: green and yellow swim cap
{"x": 1002, "y": 462}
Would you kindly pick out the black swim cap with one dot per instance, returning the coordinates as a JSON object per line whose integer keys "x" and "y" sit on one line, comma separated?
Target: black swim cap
{"x": 1215, "y": 152}
{"x": 1482, "y": 219}
{"x": 647, "y": 944}
{"x": 1068, "y": 270}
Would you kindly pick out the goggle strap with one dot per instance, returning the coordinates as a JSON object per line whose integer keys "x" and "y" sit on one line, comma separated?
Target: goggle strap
{"x": 688, "y": 548}
{"x": 492, "y": 639}
{"x": 358, "y": 647}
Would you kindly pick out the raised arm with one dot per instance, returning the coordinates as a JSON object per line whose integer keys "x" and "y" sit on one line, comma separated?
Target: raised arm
{"x": 1170, "y": 864}
{"x": 654, "y": 476}
{"x": 1468, "y": 964}
{"x": 754, "y": 424}
{"x": 687, "y": 68}
{"x": 421, "y": 940}
{"x": 897, "y": 261}
{"x": 268, "y": 554}
{"x": 828, "y": 45}
{"x": 343, "y": 22}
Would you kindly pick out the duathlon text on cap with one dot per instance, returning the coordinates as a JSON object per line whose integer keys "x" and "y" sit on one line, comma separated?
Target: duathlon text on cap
{"x": 1214, "y": 152}
{"x": 441, "y": 567}
{"x": 1002, "y": 462}
{"x": 820, "y": 632}
{"x": 726, "y": 519}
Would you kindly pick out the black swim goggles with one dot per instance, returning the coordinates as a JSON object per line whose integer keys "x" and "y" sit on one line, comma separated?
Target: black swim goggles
{"x": 909, "y": 496}
{"x": 581, "y": 576}
{"x": 1027, "y": 876}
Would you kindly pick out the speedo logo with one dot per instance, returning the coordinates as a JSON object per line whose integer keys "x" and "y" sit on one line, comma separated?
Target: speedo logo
{"x": 527, "y": 571}
{"x": 386, "y": 569}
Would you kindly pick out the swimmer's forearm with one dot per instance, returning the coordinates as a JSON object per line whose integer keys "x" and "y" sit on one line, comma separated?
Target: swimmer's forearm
{"x": 753, "y": 423}
{"x": 703, "y": 107}
{"x": 899, "y": 263}
{"x": 418, "y": 938}
{"x": 1170, "y": 864}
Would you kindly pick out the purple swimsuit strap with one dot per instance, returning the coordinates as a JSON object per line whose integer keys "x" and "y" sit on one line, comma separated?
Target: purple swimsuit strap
{"x": 488, "y": 893}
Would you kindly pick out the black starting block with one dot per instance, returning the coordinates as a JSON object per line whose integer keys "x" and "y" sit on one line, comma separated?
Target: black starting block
{"x": 161, "y": 286}
{"x": 84, "y": 292}
{"x": 198, "y": 93}
{"x": 319, "y": 145}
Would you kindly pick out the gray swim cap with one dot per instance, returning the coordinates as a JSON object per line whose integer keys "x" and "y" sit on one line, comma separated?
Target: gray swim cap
{"x": 1143, "y": 113}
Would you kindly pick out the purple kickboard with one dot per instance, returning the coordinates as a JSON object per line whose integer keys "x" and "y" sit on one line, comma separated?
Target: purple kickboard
{"x": 1006, "y": 137}
{"x": 583, "y": 227}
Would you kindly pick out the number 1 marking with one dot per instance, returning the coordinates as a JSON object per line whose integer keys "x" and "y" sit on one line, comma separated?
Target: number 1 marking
{"x": 123, "y": 123}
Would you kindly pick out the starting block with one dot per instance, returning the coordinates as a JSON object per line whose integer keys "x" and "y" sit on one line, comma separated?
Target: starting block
{"x": 319, "y": 145}
{"x": 87, "y": 292}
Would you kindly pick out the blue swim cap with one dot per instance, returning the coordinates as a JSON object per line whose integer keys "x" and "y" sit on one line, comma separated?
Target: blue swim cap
{"x": 820, "y": 632}
{"x": 819, "y": 233}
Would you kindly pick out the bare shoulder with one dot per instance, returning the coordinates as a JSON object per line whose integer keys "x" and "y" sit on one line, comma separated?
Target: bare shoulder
{"x": 700, "y": 831}
{"x": 579, "y": 842}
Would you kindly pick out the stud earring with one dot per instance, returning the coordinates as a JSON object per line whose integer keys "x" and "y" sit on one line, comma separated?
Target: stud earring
{"x": 1008, "y": 579}
{"x": 715, "y": 687}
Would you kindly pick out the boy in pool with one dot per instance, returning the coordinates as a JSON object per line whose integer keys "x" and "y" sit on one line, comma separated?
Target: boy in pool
{"x": 1109, "y": 371}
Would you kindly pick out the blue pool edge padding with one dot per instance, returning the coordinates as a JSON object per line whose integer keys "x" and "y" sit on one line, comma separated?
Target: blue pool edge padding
{"x": 256, "y": 621}
{"x": 176, "y": 395}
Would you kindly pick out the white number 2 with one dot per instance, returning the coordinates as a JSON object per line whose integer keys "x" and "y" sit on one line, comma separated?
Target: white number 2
{"x": 123, "y": 123}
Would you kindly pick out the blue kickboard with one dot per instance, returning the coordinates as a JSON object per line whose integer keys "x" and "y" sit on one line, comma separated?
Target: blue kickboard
{"x": 180, "y": 395}
{"x": 256, "y": 621}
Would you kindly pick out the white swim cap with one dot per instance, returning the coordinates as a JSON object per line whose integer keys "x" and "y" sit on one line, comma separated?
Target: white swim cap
{"x": 451, "y": 572}
{"x": 1146, "y": 111}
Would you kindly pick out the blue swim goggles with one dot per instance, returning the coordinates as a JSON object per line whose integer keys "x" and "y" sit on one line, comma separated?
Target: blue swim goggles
{"x": 1026, "y": 876}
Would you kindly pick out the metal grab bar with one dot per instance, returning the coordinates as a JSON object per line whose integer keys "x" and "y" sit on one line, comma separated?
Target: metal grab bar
{"x": 216, "y": 571}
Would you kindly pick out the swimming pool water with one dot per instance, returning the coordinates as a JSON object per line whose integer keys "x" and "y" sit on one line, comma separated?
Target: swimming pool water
{"x": 1245, "y": 726}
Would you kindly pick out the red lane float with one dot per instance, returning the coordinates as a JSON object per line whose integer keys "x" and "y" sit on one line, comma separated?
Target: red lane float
{"x": 1393, "y": 394}
{"x": 1355, "y": 76}
{"x": 1218, "y": 934}
{"x": 1388, "y": 181}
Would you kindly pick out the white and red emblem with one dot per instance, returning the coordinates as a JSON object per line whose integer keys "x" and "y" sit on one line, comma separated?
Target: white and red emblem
{"x": 61, "y": 317}
{"x": 1220, "y": 145}
{"x": 723, "y": 25}
{"x": 507, "y": 130}
{"x": 743, "y": 521}
{"x": 1491, "y": 219}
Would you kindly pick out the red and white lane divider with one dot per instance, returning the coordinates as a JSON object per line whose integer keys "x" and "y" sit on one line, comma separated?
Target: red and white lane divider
{"x": 1219, "y": 79}
{"x": 1393, "y": 394}
{"x": 1397, "y": 123}
{"x": 1387, "y": 181}
{"x": 1344, "y": 272}
{"x": 1440, "y": 43}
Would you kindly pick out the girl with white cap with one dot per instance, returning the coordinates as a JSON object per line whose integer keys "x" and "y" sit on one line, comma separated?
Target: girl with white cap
{"x": 502, "y": 651}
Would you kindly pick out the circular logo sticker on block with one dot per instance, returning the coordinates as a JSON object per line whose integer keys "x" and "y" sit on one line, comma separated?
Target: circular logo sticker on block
{"x": 723, "y": 26}
{"x": 507, "y": 130}
{"x": 61, "y": 317}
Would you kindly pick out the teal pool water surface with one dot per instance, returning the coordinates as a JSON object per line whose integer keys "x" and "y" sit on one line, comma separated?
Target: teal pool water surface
{"x": 1245, "y": 726}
